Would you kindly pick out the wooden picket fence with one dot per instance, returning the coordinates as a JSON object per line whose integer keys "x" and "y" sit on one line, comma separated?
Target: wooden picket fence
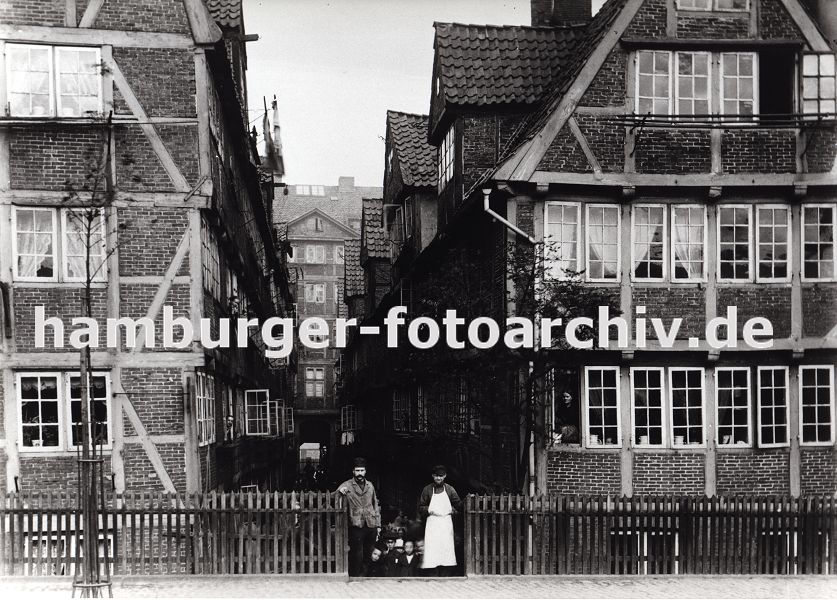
{"x": 151, "y": 534}
{"x": 545, "y": 535}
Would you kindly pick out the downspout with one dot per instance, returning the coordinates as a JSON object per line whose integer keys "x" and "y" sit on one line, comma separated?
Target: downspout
{"x": 486, "y": 194}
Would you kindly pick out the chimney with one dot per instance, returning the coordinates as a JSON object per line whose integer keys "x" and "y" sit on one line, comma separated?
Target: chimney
{"x": 824, "y": 13}
{"x": 346, "y": 184}
{"x": 554, "y": 12}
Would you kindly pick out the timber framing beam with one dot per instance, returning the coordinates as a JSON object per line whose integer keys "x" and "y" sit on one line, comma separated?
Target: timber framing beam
{"x": 122, "y": 200}
{"x": 94, "y": 37}
{"x": 696, "y": 180}
{"x": 90, "y": 13}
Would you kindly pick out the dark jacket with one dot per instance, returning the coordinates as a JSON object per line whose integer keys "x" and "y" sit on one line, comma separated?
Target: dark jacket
{"x": 364, "y": 510}
{"x": 377, "y": 568}
{"x": 427, "y": 496}
{"x": 404, "y": 568}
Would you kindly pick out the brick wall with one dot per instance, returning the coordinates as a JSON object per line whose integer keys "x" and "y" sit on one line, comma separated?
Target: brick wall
{"x": 650, "y": 20}
{"x": 673, "y": 151}
{"x": 680, "y": 473}
{"x": 565, "y": 155}
{"x": 163, "y": 79}
{"x": 687, "y": 303}
{"x": 584, "y": 473}
{"x": 136, "y": 298}
{"x": 819, "y": 309}
{"x": 606, "y": 140}
{"x": 149, "y": 239}
{"x": 46, "y": 158}
{"x": 775, "y": 22}
{"x": 822, "y": 151}
{"x": 157, "y": 396}
{"x": 53, "y": 473}
{"x": 713, "y": 27}
{"x": 140, "y": 474}
{"x": 771, "y": 302}
{"x": 479, "y": 147}
{"x": 61, "y": 302}
{"x": 757, "y": 472}
{"x": 608, "y": 87}
{"x": 33, "y": 12}
{"x": 526, "y": 216}
{"x": 140, "y": 15}
{"x": 137, "y": 167}
{"x": 758, "y": 151}
{"x": 818, "y": 471}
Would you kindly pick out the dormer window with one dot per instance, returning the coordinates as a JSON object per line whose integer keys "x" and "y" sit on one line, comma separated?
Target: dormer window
{"x": 49, "y": 81}
{"x": 447, "y": 152}
{"x": 718, "y": 5}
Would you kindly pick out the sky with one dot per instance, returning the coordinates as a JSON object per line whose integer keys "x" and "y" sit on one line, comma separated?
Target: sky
{"x": 337, "y": 66}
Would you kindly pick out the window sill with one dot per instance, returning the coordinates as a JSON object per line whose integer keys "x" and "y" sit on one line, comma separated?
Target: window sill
{"x": 59, "y": 284}
{"x": 27, "y": 452}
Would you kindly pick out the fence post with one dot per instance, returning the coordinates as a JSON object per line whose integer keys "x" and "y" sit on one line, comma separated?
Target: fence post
{"x": 469, "y": 559}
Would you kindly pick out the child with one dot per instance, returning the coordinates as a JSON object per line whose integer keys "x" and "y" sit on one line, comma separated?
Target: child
{"x": 406, "y": 565}
{"x": 377, "y": 565}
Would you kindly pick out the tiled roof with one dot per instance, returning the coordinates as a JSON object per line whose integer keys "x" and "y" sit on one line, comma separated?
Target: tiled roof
{"x": 375, "y": 242}
{"x": 594, "y": 33}
{"x": 227, "y": 13}
{"x": 415, "y": 156}
{"x": 353, "y": 270}
{"x": 488, "y": 64}
{"x": 340, "y": 205}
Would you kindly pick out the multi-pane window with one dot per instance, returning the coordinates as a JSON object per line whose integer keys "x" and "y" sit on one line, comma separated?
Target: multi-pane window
{"x": 314, "y": 382}
{"x": 694, "y": 4}
{"x": 37, "y": 232}
{"x": 738, "y": 83}
{"x": 737, "y": 5}
{"x": 562, "y": 225}
{"x": 400, "y": 409}
{"x": 210, "y": 257}
{"x": 288, "y": 420}
{"x": 205, "y": 409}
{"x": 686, "y": 385}
{"x": 818, "y": 235}
{"x": 348, "y": 418}
{"x": 773, "y": 406}
{"x": 693, "y": 83}
{"x": 649, "y": 235}
{"x": 603, "y": 239}
{"x": 315, "y": 292}
{"x": 816, "y": 404}
{"x": 257, "y": 412}
{"x": 50, "y": 410}
{"x": 734, "y": 243}
{"x": 447, "y": 157}
{"x": 602, "y": 406}
{"x": 688, "y": 239}
{"x": 653, "y": 83}
{"x": 819, "y": 84}
{"x": 314, "y": 254}
{"x": 339, "y": 255}
{"x": 648, "y": 421}
{"x": 48, "y": 81}
{"x": 732, "y": 397}
{"x": 772, "y": 242}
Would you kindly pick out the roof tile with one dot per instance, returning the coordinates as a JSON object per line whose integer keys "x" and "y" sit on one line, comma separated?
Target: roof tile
{"x": 375, "y": 241}
{"x": 227, "y": 13}
{"x": 489, "y": 64}
{"x": 416, "y": 157}
{"x": 355, "y": 285}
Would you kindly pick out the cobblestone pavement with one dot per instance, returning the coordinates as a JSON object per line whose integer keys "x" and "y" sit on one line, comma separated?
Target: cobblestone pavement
{"x": 474, "y": 587}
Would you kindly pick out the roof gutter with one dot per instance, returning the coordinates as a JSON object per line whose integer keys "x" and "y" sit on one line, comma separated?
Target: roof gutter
{"x": 486, "y": 194}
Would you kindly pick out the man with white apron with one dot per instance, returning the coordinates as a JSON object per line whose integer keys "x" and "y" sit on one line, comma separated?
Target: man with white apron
{"x": 438, "y": 502}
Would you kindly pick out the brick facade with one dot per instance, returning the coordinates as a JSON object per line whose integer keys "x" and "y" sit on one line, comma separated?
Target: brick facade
{"x": 818, "y": 469}
{"x": 680, "y": 473}
{"x": 763, "y": 472}
{"x": 682, "y": 302}
{"x": 759, "y": 151}
{"x": 770, "y": 301}
{"x": 673, "y": 151}
{"x": 819, "y": 309}
{"x": 584, "y": 473}
{"x": 713, "y": 27}
{"x": 650, "y": 20}
{"x": 775, "y": 22}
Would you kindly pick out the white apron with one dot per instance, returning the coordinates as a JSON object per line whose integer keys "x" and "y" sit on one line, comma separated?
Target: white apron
{"x": 438, "y": 534}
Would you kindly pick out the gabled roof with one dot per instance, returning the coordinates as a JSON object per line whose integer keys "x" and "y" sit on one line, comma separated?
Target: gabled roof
{"x": 351, "y": 232}
{"x": 355, "y": 285}
{"x": 415, "y": 156}
{"x": 227, "y": 13}
{"x": 592, "y": 36}
{"x": 488, "y": 64}
{"x": 375, "y": 243}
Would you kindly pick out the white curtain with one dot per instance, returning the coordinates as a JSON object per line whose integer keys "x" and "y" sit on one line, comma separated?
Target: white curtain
{"x": 687, "y": 255}
{"x": 34, "y": 251}
{"x": 642, "y": 248}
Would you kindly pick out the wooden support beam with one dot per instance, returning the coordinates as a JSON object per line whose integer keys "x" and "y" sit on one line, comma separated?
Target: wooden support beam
{"x": 106, "y": 360}
{"x": 90, "y": 13}
{"x": 166, "y": 160}
{"x": 690, "y": 180}
{"x": 93, "y": 37}
{"x": 585, "y": 147}
{"x": 117, "y": 457}
{"x": 69, "y": 15}
{"x": 10, "y": 416}
{"x": 123, "y": 199}
{"x": 145, "y": 440}
{"x": 162, "y": 291}
{"x": 710, "y": 465}
{"x": 794, "y": 458}
{"x": 806, "y": 25}
{"x": 191, "y": 459}
{"x": 626, "y": 452}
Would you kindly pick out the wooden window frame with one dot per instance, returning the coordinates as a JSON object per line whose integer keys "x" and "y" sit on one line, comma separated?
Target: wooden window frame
{"x": 670, "y": 394}
{"x": 757, "y": 241}
{"x": 749, "y": 405}
{"x": 665, "y": 243}
{"x": 802, "y": 240}
{"x": 664, "y": 437}
{"x": 830, "y": 441}
{"x": 761, "y": 407}
{"x": 587, "y": 243}
{"x": 704, "y": 244}
{"x": 586, "y": 416}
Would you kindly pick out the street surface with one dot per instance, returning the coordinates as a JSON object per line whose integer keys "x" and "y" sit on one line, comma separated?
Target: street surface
{"x": 258, "y": 586}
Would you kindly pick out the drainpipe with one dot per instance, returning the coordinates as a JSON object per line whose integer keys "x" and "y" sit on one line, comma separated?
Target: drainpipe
{"x": 486, "y": 194}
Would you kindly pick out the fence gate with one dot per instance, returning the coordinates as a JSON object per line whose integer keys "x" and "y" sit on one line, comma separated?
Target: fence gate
{"x": 235, "y": 533}
{"x": 645, "y": 535}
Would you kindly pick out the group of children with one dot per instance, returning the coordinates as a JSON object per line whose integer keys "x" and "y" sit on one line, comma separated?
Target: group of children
{"x": 395, "y": 555}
